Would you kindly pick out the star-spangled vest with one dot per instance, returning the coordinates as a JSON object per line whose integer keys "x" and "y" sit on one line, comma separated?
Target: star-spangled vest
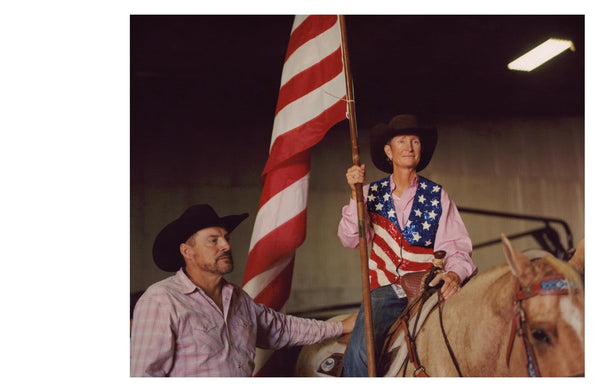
{"x": 395, "y": 250}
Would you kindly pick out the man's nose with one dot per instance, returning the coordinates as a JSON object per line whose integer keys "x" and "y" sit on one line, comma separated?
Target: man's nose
{"x": 225, "y": 245}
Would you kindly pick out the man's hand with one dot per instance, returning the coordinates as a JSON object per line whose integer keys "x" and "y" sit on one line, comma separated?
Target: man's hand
{"x": 348, "y": 323}
{"x": 451, "y": 283}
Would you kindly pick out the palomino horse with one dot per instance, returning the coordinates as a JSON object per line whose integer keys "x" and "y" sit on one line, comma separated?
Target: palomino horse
{"x": 523, "y": 318}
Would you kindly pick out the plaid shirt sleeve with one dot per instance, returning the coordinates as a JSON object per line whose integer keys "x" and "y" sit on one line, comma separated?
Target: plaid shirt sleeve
{"x": 152, "y": 339}
{"x": 276, "y": 330}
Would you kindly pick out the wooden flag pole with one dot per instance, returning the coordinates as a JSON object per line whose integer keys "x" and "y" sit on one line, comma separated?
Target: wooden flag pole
{"x": 364, "y": 257}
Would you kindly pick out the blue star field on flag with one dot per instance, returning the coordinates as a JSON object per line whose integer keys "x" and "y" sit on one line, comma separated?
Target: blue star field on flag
{"x": 422, "y": 223}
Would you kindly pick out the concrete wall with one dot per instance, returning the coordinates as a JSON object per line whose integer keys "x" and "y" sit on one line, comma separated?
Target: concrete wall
{"x": 532, "y": 166}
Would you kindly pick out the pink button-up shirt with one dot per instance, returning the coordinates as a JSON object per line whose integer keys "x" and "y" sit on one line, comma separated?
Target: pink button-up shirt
{"x": 178, "y": 330}
{"x": 451, "y": 236}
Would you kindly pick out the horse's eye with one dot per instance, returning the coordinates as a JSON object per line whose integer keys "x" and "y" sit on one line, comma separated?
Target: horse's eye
{"x": 541, "y": 335}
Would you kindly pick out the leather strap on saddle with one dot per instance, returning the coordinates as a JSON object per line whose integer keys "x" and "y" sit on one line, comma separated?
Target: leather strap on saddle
{"x": 413, "y": 356}
{"x": 402, "y": 326}
{"x": 416, "y": 287}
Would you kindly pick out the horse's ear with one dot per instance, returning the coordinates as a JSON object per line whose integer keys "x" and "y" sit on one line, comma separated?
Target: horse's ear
{"x": 578, "y": 259}
{"x": 519, "y": 264}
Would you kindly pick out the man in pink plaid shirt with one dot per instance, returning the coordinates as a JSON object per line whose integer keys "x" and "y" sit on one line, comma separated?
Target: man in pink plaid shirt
{"x": 195, "y": 323}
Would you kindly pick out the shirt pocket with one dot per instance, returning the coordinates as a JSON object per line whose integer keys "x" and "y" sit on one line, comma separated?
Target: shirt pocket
{"x": 243, "y": 333}
{"x": 207, "y": 336}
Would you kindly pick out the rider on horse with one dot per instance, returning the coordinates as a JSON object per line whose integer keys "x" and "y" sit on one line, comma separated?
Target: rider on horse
{"x": 409, "y": 217}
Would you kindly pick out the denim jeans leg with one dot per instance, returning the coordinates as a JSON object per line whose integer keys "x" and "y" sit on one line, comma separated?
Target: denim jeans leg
{"x": 386, "y": 307}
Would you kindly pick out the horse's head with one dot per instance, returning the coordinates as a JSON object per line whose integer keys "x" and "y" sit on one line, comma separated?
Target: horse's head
{"x": 549, "y": 313}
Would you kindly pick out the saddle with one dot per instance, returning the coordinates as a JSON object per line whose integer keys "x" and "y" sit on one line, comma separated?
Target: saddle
{"x": 401, "y": 338}
{"x": 415, "y": 283}
{"x": 416, "y": 287}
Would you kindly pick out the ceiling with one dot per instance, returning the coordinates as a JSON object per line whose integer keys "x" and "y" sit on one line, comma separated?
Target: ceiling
{"x": 229, "y": 66}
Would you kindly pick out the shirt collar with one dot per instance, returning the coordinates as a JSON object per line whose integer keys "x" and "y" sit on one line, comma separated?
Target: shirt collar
{"x": 186, "y": 283}
{"x": 414, "y": 182}
{"x": 189, "y": 286}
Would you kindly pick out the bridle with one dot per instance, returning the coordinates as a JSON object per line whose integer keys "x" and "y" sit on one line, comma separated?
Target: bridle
{"x": 556, "y": 285}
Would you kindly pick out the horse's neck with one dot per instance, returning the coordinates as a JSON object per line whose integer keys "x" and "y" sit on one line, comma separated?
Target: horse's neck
{"x": 484, "y": 292}
{"x": 482, "y": 310}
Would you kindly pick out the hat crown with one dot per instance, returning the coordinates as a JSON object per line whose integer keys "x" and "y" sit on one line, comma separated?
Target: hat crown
{"x": 404, "y": 121}
{"x": 200, "y": 210}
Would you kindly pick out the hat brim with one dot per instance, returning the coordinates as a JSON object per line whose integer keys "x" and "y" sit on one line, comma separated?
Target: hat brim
{"x": 165, "y": 250}
{"x": 382, "y": 133}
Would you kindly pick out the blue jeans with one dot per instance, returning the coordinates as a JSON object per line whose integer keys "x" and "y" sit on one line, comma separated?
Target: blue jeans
{"x": 386, "y": 307}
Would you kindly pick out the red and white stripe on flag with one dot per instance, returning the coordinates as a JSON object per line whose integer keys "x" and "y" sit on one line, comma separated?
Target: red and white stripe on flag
{"x": 311, "y": 100}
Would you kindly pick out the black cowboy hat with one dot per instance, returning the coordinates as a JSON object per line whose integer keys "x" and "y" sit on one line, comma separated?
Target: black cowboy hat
{"x": 166, "y": 245}
{"x": 402, "y": 124}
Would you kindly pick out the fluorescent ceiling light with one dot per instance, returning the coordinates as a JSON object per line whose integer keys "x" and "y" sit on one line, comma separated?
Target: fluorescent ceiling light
{"x": 540, "y": 54}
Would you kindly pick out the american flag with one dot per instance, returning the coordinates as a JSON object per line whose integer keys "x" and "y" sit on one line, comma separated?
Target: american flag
{"x": 311, "y": 100}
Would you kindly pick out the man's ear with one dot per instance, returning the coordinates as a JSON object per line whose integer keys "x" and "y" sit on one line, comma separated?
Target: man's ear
{"x": 185, "y": 250}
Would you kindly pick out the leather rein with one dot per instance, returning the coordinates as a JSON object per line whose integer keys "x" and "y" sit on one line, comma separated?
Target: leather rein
{"x": 556, "y": 285}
